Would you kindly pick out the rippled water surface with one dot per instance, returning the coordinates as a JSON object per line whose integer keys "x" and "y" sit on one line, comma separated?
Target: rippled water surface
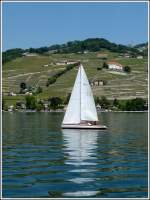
{"x": 41, "y": 160}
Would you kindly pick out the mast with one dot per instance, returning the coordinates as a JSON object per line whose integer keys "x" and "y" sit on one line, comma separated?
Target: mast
{"x": 80, "y": 90}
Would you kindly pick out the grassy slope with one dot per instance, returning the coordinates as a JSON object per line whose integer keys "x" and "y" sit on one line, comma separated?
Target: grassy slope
{"x": 30, "y": 70}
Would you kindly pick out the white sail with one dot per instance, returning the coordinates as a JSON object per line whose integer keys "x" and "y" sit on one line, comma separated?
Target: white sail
{"x": 81, "y": 105}
{"x": 88, "y": 109}
{"x": 72, "y": 115}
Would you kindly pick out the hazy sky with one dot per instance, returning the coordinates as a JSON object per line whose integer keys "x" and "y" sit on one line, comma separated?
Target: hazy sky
{"x": 43, "y": 24}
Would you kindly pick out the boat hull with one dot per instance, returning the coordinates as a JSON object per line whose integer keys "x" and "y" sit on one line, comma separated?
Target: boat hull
{"x": 76, "y": 126}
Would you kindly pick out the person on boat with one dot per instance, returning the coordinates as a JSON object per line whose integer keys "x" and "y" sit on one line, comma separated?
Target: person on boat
{"x": 92, "y": 123}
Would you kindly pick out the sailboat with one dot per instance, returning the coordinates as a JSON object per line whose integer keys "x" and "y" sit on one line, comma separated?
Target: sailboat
{"x": 81, "y": 111}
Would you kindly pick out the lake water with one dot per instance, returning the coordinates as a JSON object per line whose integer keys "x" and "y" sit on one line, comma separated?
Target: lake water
{"x": 41, "y": 160}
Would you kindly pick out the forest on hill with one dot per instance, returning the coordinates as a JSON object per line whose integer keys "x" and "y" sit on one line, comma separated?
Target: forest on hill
{"x": 91, "y": 44}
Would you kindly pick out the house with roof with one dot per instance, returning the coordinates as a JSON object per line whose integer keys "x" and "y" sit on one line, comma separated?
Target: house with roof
{"x": 97, "y": 82}
{"x": 115, "y": 66}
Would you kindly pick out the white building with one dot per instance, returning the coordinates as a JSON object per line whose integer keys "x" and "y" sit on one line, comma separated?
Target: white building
{"x": 139, "y": 57}
{"x": 115, "y": 66}
{"x": 65, "y": 62}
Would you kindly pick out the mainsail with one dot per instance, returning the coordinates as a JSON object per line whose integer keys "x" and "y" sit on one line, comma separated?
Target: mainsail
{"x": 81, "y": 105}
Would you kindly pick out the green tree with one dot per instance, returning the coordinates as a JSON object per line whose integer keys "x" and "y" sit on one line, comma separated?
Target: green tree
{"x": 127, "y": 69}
{"x": 99, "y": 68}
{"x": 39, "y": 90}
{"x": 51, "y": 81}
{"x": 30, "y": 102}
{"x": 137, "y": 104}
{"x": 23, "y": 85}
{"x": 55, "y": 102}
{"x": 97, "y": 100}
{"x": 11, "y": 54}
{"x": 105, "y": 65}
{"x": 39, "y": 106}
{"x": 115, "y": 102}
{"x": 104, "y": 102}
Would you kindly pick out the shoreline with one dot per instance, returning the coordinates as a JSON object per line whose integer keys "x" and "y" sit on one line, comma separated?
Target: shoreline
{"x": 63, "y": 111}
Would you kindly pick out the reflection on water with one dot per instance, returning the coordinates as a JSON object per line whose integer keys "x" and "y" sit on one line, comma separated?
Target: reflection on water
{"x": 41, "y": 160}
{"x": 80, "y": 145}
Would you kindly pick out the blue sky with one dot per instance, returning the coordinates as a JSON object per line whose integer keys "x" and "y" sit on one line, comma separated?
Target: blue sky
{"x": 43, "y": 24}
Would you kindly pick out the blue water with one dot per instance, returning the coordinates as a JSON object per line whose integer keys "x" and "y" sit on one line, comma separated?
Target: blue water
{"x": 41, "y": 160}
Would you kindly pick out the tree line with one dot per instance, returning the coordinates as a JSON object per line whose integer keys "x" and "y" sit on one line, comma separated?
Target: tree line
{"x": 11, "y": 54}
{"x": 53, "y": 78}
{"x": 136, "y": 104}
{"x": 31, "y": 102}
{"x": 91, "y": 44}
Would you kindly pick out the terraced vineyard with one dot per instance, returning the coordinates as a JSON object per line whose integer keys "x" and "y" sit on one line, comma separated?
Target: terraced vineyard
{"x": 32, "y": 71}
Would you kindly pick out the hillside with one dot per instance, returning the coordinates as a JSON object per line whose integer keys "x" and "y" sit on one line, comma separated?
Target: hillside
{"x": 141, "y": 45}
{"x": 35, "y": 71}
{"x": 90, "y": 44}
{"x": 142, "y": 48}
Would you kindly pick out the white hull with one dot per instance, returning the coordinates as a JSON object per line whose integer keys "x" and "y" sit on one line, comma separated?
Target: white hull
{"x": 79, "y": 126}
